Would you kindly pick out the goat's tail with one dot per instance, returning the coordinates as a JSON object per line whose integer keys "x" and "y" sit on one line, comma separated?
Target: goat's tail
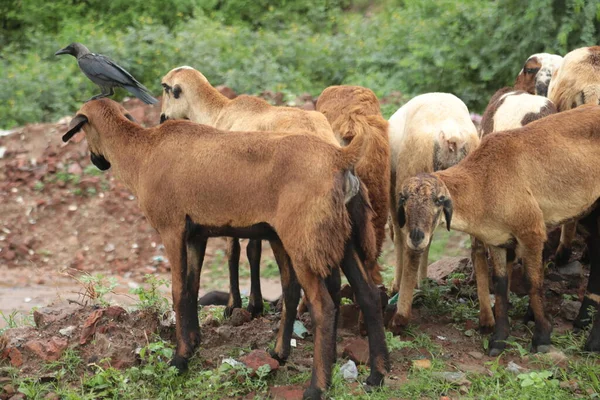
{"x": 141, "y": 93}
{"x": 354, "y": 127}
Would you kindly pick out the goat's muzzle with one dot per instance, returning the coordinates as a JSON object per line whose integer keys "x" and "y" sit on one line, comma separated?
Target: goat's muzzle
{"x": 163, "y": 118}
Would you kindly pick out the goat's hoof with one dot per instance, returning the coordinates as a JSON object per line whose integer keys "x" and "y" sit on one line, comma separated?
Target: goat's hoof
{"x": 255, "y": 310}
{"x": 228, "y": 311}
{"x": 397, "y": 324}
{"x": 496, "y": 347}
{"x": 375, "y": 379}
{"x": 275, "y": 356}
{"x": 179, "y": 362}
{"x": 312, "y": 394}
{"x": 542, "y": 348}
{"x": 562, "y": 256}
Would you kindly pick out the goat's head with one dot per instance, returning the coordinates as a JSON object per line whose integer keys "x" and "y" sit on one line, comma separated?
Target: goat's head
{"x": 176, "y": 87}
{"x": 535, "y": 76}
{"x": 95, "y": 118}
{"x": 421, "y": 202}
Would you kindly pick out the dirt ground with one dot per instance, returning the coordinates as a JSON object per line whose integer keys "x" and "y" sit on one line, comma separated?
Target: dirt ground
{"x": 61, "y": 219}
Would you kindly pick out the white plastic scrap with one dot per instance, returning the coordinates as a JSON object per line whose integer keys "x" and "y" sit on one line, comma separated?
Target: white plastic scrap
{"x": 349, "y": 371}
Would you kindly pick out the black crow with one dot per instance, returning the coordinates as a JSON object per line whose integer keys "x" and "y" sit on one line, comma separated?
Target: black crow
{"x": 105, "y": 73}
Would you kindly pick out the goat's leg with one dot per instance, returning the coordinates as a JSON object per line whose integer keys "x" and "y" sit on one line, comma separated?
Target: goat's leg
{"x": 423, "y": 264}
{"x": 410, "y": 269}
{"x": 291, "y": 297}
{"x": 255, "y": 303}
{"x": 399, "y": 242}
{"x": 592, "y": 293}
{"x": 186, "y": 256}
{"x": 501, "y": 329}
{"x": 486, "y": 316}
{"x": 334, "y": 283}
{"x": 322, "y": 311}
{"x": 532, "y": 262}
{"x": 233, "y": 259}
{"x": 368, "y": 298}
{"x": 593, "y": 341}
{"x": 567, "y": 234}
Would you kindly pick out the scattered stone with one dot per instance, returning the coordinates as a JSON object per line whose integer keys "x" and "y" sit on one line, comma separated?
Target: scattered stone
{"x": 240, "y": 316}
{"x": 572, "y": 269}
{"x": 109, "y": 248}
{"x": 515, "y": 368}
{"x": 68, "y": 331}
{"x": 47, "y": 351}
{"x": 75, "y": 169}
{"x": 291, "y": 392}
{"x": 9, "y": 389}
{"x": 357, "y": 350}
{"x": 42, "y": 320}
{"x": 476, "y": 355}
{"x": 569, "y": 309}
{"x": 423, "y": 363}
{"x": 258, "y": 358}
{"x": 557, "y": 357}
{"x": 89, "y": 326}
{"x": 349, "y": 371}
{"x": 209, "y": 321}
{"x": 114, "y": 312}
{"x": 18, "y": 396}
{"x": 52, "y": 396}
{"x": 15, "y": 356}
{"x": 440, "y": 269}
{"x": 572, "y": 385}
{"x": 472, "y": 368}
{"x": 456, "y": 378}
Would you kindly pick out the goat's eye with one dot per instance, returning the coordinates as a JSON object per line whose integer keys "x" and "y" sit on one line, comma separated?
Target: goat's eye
{"x": 531, "y": 70}
{"x": 401, "y": 200}
{"x": 440, "y": 200}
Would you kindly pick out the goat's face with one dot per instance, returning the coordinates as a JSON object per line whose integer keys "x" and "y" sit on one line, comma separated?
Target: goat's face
{"x": 421, "y": 202}
{"x": 89, "y": 118}
{"x": 176, "y": 86}
{"x": 537, "y": 72}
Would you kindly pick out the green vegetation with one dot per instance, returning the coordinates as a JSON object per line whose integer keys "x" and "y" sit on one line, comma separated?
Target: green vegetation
{"x": 470, "y": 48}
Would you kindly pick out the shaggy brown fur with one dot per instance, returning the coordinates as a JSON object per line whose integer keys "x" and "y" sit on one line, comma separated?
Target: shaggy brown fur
{"x": 509, "y": 189}
{"x": 193, "y": 182}
{"x": 352, "y": 111}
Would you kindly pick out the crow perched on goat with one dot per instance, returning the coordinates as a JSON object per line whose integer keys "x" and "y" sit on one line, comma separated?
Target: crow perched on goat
{"x": 105, "y": 73}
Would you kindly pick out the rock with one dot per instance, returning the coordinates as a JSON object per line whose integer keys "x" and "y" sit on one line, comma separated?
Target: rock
{"x": 114, "y": 312}
{"x": 423, "y": 363}
{"x": 569, "y": 309}
{"x": 240, "y": 316}
{"x": 472, "y": 368}
{"x": 515, "y": 368}
{"x": 210, "y": 321}
{"x": 9, "y": 255}
{"x": 557, "y": 357}
{"x": 571, "y": 385}
{"x": 68, "y": 331}
{"x": 349, "y": 371}
{"x": 357, "y": 350}
{"x": 89, "y": 326}
{"x": 9, "y": 389}
{"x": 440, "y": 269}
{"x": 456, "y": 378}
{"x": 48, "y": 351}
{"x": 15, "y": 356}
{"x": 258, "y": 358}
{"x": 109, "y": 248}
{"x": 18, "y": 396}
{"x": 75, "y": 169}
{"x": 291, "y": 392}
{"x": 42, "y": 320}
{"x": 476, "y": 355}
{"x": 52, "y": 396}
{"x": 572, "y": 269}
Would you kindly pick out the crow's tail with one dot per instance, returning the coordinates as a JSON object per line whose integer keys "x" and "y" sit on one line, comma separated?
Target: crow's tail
{"x": 141, "y": 93}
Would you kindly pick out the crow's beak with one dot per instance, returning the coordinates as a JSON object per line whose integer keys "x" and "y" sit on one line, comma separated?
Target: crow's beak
{"x": 62, "y": 51}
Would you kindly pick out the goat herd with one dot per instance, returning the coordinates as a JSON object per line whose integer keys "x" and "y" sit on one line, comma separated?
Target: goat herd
{"x": 319, "y": 185}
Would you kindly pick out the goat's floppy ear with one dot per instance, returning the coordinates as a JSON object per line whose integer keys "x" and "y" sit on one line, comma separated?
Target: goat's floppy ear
{"x": 75, "y": 126}
{"x": 176, "y": 91}
{"x": 401, "y": 212}
{"x": 448, "y": 212}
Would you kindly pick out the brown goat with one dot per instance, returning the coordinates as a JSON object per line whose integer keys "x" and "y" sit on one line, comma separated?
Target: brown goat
{"x": 352, "y": 111}
{"x": 189, "y": 95}
{"x": 508, "y": 190}
{"x": 575, "y": 83}
{"x": 194, "y": 182}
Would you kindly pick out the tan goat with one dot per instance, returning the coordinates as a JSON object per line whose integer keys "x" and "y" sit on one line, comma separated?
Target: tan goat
{"x": 189, "y": 95}
{"x": 507, "y": 191}
{"x": 431, "y": 132}
{"x": 194, "y": 182}
{"x": 575, "y": 83}
{"x": 352, "y": 111}
{"x": 536, "y": 74}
